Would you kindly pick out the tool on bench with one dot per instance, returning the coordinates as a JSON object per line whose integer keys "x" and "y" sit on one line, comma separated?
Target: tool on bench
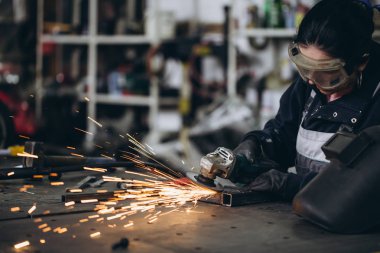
{"x": 37, "y": 163}
{"x": 215, "y": 170}
{"x": 218, "y": 165}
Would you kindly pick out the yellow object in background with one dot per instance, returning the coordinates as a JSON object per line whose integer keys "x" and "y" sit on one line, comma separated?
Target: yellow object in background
{"x": 12, "y": 150}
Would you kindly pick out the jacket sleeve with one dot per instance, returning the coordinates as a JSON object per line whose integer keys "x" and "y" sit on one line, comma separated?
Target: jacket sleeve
{"x": 278, "y": 138}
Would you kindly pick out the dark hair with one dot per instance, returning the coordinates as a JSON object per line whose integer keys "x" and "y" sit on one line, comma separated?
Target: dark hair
{"x": 342, "y": 28}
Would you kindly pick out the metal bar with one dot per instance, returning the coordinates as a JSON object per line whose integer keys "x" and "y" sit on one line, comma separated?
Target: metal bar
{"x": 245, "y": 198}
{"x": 239, "y": 198}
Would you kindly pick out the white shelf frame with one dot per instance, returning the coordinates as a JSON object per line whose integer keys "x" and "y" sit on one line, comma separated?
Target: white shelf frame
{"x": 93, "y": 40}
{"x": 267, "y": 32}
{"x": 98, "y": 39}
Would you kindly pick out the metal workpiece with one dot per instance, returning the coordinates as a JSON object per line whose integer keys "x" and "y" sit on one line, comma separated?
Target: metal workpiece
{"x": 233, "y": 198}
{"x": 245, "y": 198}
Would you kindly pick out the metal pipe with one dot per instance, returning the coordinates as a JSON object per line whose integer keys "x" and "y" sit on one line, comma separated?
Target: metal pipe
{"x": 239, "y": 198}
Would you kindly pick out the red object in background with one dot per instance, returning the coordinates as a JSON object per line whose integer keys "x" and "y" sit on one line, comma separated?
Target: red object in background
{"x": 48, "y": 48}
{"x": 22, "y": 114}
{"x": 14, "y": 105}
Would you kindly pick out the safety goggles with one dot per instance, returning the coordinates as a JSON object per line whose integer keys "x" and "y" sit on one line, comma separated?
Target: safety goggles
{"x": 327, "y": 74}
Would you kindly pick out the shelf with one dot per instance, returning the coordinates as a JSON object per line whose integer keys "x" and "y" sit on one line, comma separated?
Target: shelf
{"x": 65, "y": 39}
{"x": 276, "y": 33}
{"x": 122, "y": 39}
{"x": 100, "y": 39}
{"x": 267, "y": 32}
{"x": 136, "y": 100}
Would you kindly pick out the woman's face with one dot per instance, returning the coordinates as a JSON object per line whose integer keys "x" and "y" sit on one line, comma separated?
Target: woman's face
{"x": 315, "y": 53}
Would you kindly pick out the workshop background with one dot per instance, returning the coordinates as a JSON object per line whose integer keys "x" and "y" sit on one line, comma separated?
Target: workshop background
{"x": 182, "y": 76}
{"x": 152, "y": 83}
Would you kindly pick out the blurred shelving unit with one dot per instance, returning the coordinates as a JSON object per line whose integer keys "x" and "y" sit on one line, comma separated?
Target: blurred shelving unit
{"x": 274, "y": 34}
{"x": 236, "y": 33}
{"x": 92, "y": 40}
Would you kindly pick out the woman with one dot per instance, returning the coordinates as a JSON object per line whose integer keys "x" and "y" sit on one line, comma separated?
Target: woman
{"x": 339, "y": 75}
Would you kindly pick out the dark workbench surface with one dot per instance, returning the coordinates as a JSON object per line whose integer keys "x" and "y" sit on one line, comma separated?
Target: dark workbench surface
{"x": 267, "y": 227}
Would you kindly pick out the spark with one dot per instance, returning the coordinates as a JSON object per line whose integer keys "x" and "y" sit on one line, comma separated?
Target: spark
{"x": 95, "y": 234}
{"x": 129, "y": 224}
{"x": 21, "y": 245}
{"x": 47, "y": 229}
{"x": 95, "y": 169}
{"x": 97, "y": 123}
{"x": 10, "y": 173}
{"x": 83, "y": 131}
{"x": 87, "y": 99}
{"x": 43, "y": 226}
{"x": 152, "y": 220}
{"x": 139, "y": 174}
{"x": 151, "y": 149}
{"x": 57, "y": 183}
{"x": 130, "y": 153}
{"x": 85, "y": 201}
{"x": 60, "y": 230}
{"x": 75, "y": 190}
{"x": 24, "y": 137}
{"x": 15, "y": 209}
{"x": 25, "y": 154}
{"x": 68, "y": 147}
{"x": 169, "y": 212}
{"x": 42, "y": 241}
{"x": 70, "y": 203}
{"x": 106, "y": 156}
{"x": 32, "y": 209}
{"x": 75, "y": 154}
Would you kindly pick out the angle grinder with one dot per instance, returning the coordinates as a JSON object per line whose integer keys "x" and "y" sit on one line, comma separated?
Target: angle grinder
{"x": 216, "y": 169}
{"x": 218, "y": 163}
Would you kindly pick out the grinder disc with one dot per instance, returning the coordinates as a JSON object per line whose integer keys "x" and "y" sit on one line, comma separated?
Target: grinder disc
{"x": 212, "y": 185}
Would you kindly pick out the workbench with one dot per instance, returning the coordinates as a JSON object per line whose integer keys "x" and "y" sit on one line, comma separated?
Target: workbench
{"x": 265, "y": 227}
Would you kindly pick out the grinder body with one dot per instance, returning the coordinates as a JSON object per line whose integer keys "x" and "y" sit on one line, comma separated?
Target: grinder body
{"x": 218, "y": 163}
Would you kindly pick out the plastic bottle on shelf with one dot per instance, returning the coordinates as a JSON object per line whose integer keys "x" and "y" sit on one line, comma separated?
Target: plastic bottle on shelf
{"x": 301, "y": 10}
{"x": 289, "y": 12}
{"x": 273, "y": 14}
{"x": 254, "y": 19}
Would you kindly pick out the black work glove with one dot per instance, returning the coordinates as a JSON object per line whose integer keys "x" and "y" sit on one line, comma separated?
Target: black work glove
{"x": 249, "y": 162}
{"x": 250, "y": 149}
{"x": 284, "y": 185}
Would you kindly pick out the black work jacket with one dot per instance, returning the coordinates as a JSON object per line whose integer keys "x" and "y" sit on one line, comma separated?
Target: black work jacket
{"x": 355, "y": 111}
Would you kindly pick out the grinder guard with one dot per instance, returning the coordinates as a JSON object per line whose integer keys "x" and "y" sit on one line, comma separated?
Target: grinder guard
{"x": 345, "y": 197}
